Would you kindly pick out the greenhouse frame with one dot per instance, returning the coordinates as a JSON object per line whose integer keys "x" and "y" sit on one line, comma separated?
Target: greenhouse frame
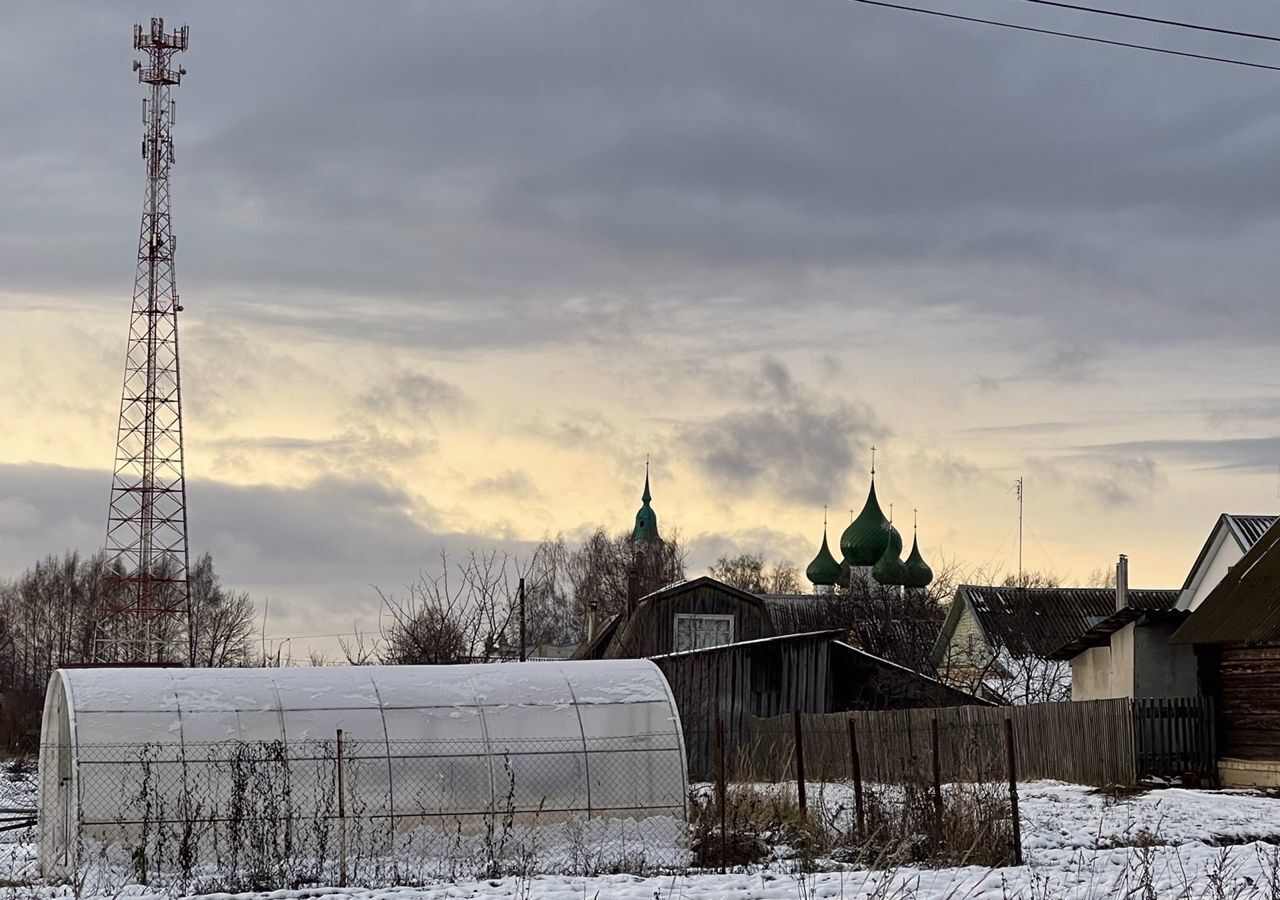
{"x": 166, "y": 768}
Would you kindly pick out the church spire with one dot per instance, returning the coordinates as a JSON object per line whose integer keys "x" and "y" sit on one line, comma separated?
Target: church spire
{"x": 646, "y": 519}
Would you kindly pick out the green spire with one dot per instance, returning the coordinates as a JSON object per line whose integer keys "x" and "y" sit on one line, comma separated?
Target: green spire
{"x": 824, "y": 571}
{"x": 919, "y": 575}
{"x": 889, "y": 569}
{"x": 646, "y": 519}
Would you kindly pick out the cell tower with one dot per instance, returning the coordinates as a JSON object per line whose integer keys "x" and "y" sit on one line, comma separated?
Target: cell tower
{"x": 146, "y": 549}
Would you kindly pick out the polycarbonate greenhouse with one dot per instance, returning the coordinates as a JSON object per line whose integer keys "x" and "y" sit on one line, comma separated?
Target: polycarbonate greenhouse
{"x": 299, "y": 771}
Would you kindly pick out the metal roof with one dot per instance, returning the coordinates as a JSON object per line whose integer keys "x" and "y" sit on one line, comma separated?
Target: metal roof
{"x": 1039, "y": 621}
{"x": 1245, "y": 529}
{"x": 1100, "y": 633}
{"x": 1245, "y": 606}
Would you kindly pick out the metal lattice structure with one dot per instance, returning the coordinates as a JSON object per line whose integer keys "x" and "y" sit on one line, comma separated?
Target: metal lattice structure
{"x": 146, "y": 548}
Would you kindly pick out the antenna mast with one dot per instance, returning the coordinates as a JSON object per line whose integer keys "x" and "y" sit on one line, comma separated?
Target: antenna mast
{"x": 1017, "y": 486}
{"x": 146, "y": 548}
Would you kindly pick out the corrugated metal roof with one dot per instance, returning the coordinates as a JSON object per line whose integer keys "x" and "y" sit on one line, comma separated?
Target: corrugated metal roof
{"x": 1245, "y": 529}
{"x": 1245, "y": 606}
{"x": 1249, "y": 529}
{"x": 1040, "y": 621}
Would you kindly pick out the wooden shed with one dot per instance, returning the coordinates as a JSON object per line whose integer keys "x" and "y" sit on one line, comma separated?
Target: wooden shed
{"x": 816, "y": 672}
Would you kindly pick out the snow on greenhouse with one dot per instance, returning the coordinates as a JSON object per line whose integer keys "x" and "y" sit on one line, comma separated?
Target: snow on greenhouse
{"x": 296, "y": 773}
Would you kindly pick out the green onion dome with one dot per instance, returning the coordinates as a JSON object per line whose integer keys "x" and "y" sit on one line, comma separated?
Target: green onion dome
{"x": 863, "y": 542}
{"x": 919, "y": 575}
{"x": 889, "y": 569}
{"x": 824, "y": 570}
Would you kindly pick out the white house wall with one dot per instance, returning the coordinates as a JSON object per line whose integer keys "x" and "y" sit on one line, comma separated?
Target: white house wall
{"x": 1224, "y": 553}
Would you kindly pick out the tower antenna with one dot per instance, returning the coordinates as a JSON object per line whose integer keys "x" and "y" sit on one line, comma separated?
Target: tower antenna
{"x": 1017, "y": 486}
{"x": 146, "y": 547}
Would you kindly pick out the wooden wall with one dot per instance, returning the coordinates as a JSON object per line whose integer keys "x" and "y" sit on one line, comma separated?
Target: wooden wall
{"x": 738, "y": 682}
{"x": 651, "y": 630}
{"x": 1248, "y": 679}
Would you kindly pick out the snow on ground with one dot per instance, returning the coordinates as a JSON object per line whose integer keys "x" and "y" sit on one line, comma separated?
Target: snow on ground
{"x": 1080, "y": 844}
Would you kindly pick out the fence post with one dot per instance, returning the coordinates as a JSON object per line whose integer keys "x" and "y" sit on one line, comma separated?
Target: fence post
{"x": 523, "y": 653}
{"x": 856, "y": 763}
{"x": 1012, "y": 764}
{"x": 721, "y": 789}
{"x": 342, "y": 816}
{"x": 937, "y": 775}
{"x": 804, "y": 806}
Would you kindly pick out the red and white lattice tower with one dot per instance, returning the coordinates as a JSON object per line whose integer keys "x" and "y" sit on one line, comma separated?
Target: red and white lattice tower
{"x": 145, "y": 583}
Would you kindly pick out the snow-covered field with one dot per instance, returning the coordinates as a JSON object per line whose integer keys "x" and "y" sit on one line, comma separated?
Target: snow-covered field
{"x": 1078, "y": 843}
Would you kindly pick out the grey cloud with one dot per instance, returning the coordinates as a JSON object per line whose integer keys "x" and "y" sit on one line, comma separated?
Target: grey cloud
{"x": 509, "y": 484}
{"x": 314, "y": 549}
{"x": 777, "y": 547}
{"x": 1021, "y": 428}
{"x": 413, "y": 398}
{"x": 1246, "y": 453}
{"x": 451, "y": 153}
{"x": 790, "y": 444}
{"x": 1123, "y": 481}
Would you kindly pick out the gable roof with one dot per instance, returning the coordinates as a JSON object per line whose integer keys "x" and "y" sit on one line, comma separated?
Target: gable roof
{"x": 1246, "y": 530}
{"x": 1036, "y": 622}
{"x": 1245, "y": 605}
{"x": 902, "y": 636}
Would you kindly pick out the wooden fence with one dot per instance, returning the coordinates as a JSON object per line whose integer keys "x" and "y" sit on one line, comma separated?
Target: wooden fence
{"x": 1097, "y": 742}
{"x": 1173, "y": 736}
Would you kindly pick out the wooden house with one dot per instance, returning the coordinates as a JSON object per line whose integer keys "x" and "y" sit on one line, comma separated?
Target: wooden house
{"x": 1235, "y": 631}
{"x": 730, "y": 654}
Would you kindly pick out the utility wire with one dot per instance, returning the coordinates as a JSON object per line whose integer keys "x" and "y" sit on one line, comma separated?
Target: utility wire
{"x": 1068, "y": 34}
{"x": 1171, "y": 22}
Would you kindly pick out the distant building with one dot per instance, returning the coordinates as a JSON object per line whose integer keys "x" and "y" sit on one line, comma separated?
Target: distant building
{"x": 1004, "y": 642}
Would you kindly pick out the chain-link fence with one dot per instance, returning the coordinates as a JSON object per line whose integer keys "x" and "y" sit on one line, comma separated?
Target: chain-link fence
{"x": 245, "y": 815}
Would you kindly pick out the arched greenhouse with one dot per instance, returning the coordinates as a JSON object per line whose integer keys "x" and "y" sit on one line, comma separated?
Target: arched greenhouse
{"x": 296, "y": 774}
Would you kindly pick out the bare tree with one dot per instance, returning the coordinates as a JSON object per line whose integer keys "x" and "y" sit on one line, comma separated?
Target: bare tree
{"x": 750, "y": 572}
{"x": 219, "y": 622}
{"x": 600, "y": 569}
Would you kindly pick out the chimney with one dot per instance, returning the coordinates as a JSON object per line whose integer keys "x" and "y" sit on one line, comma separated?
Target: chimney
{"x": 591, "y": 621}
{"x": 633, "y": 591}
{"x": 1122, "y": 582}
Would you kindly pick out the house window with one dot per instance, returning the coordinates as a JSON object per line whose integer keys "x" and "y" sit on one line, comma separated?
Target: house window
{"x": 696, "y": 632}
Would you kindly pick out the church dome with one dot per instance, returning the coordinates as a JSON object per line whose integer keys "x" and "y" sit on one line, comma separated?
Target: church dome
{"x": 824, "y": 570}
{"x": 864, "y": 541}
{"x": 889, "y": 569}
{"x": 919, "y": 575}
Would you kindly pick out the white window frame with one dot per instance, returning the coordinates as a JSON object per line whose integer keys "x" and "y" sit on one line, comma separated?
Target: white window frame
{"x": 696, "y": 618}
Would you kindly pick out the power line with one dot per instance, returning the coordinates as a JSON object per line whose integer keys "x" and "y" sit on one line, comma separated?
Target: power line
{"x": 1067, "y": 34}
{"x": 1171, "y": 22}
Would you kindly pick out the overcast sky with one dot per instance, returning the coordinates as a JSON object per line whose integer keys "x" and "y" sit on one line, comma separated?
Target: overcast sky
{"x": 451, "y": 270}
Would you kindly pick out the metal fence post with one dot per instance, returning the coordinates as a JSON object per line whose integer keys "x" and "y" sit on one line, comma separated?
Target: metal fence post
{"x": 856, "y": 763}
{"x": 1011, "y": 762}
{"x": 804, "y": 806}
{"x": 721, "y": 790}
{"x": 342, "y": 815}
